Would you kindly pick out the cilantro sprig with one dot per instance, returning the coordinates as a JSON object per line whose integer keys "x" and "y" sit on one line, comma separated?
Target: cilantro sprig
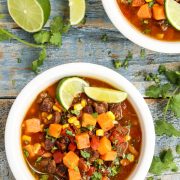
{"x": 42, "y": 39}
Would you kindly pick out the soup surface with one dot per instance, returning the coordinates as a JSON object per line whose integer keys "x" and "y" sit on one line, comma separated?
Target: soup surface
{"x": 150, "y": 18}
{"x": 90, "y": 141}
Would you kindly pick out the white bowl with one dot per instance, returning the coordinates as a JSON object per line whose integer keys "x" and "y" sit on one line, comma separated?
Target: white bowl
{"x": 47, "y": 78}
{"x": 128, "y": 30}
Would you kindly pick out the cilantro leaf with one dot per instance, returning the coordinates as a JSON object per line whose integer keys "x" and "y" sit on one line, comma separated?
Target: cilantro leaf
{"x": 26, "y": 153}
{"x": 163, "y": 127}
{"x": 156, "y": 91}
{"x": 173, "y": 76}
{"x": 42, "y": 37}
{"x": 39, "y": 61}
{"x": 85, "y": 154}
{"x": 76, "y": 112}
{"x": 175, "y": 104}
{"x": 114, "y": 170}
{"x": 178, "y": 149}
{"x": 96, "y": 176}
{"x": 56, "y": 39}
{"x": 70, "y": 133}
{"x": 163, "y": 163}
{"x": 38, "y": 159}
{"x": 44, "y": 177}
{"x": 56, "y": 24}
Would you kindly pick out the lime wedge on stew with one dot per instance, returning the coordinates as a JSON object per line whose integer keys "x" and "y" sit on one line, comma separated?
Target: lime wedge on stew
{"x": 68, "y": 89}
{"x": 106, "y": 95}
{"x": 30, "y": 15}
{"x": 77, "y": 11}
{"x": 172, "y": 9}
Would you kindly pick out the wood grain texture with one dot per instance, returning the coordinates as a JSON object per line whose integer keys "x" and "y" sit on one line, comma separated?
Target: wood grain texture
{"x": 81, "y": 44}
{"x": 162, "y": 142}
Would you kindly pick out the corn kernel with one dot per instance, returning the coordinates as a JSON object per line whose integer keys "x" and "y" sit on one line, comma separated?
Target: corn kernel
{"x": 36, "y": 148}
{"x": 72, "y": 119}
{"x": 127, "y": 138}
{"x": 78, "y": 107}
{"x": 79, "y": 126}
{"x": 83, "y": 103}
{"x": 42, "y": 127}
{"x": 76, "y": 123}
{"x": 49, "y": 117}
{"x": 44, "y": 114}
{"x": 26, "y": 138}
{"x": 64, "y": 126}
{"x": 111, "y": 115}
{"x": 55, "y": 108}
{"x": 99, "y": 132}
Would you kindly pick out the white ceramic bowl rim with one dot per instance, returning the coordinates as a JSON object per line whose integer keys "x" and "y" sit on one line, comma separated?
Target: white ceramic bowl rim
{"x": 42, "y": 81}
{"x": 121, "y": 23}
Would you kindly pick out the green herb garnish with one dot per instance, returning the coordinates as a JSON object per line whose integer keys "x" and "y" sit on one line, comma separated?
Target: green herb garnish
{"x": 26, "y": 153}
{"x": 38, "y": 159}
{"x": 44, "y": 177}
{"x": 163, "y": 163}
{"x": 70, "y": 133}
{"x": 85, "y": 154}
{"x": 76, "y": 112}
{"x": 96, "y": 176}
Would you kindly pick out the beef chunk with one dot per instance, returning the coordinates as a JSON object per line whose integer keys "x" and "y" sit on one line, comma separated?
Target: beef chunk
{"x": 121, "y": 148}
{"x": 47, "y": 105}
{"x": 122, "y": 130}
{"x": 100, "y": 107}
{"x": 88, "y": 109}
{"x": 41, "y": 97}
{"x": 56, "y": 117}
{"x": 62, "y": 171}
{"x": 117, "y": 110}
{"x": 48, "y": 165}
{"x": 63, "y": 143}
{"x": 48, "y": 145}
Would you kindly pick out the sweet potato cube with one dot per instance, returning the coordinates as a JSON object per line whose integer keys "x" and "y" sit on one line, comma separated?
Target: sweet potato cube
{"x": 158, "y": 12}
{"x": 55, "y": 130}
{"x": 144, "y": 12}
{"x": 71, "y": 160}
{"x": 104, "y": 146}
{"x": 109, "y": 156}
{"x": 137, "y": 3}
{"x": 82, "y": 140}
{"x": 88, "y": 120}
{"x": 105, "y": 122}
{"x": 30, "y": 149}
{"x": 33, "y": 125}
{"x": 74, "y": 174}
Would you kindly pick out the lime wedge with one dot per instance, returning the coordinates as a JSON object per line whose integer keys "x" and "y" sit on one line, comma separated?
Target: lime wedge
{"x": 172, "y": 9}
{"x": 77, "y": 11}
{"x": 30, "y": 15}
{"x": 68, "y": 89}
{"x": 105, "y": 95}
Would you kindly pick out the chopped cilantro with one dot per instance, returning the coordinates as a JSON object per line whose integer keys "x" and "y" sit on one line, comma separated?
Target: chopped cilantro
{"x": 178, "y": 149}
{"x": 117, "y": 64}
{"x": 142, "y": 53}
{"x": 114, "y": 170}
{"x": 56, "y": 24}
{"x": 163, "y": 162}
{"x": 70, "y": 133}
{"x": 151, "y": 3}
{"x": 151, "y": 77}
{"x": 44, "y": 177}
{"x": 76, "y": 112}
{"x": 56, "y": 39}
{"x": 147, "y": 31}
{"x": 130, "y": 157}
{"x": 38, "y": 159}
{"x": 54, "y": 148}
{"x": 85, "y": 154}
{"x": 90, "y": 127}
{"x": 163, "y": 127}
{"x": 42, "y": 37}
{"x": 104, "y": 37}
{"x": 19, "y": 60}
{"x": 95, "y": 115}
{"x": 39, "y": 61}
{"x": 26, "y": 153}
{"x": 96, "y": 176}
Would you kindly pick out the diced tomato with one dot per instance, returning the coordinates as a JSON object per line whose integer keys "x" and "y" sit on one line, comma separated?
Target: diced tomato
{"x": 58, "y": 157}
{"x": 94, "y": 142}
{"x": 91, "y": 171}
{"x": 72, "y": 146}
{"x": 117, "y": 137}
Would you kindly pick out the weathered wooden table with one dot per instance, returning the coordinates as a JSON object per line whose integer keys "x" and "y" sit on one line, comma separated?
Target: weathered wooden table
{"x": 81, "y": 44}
